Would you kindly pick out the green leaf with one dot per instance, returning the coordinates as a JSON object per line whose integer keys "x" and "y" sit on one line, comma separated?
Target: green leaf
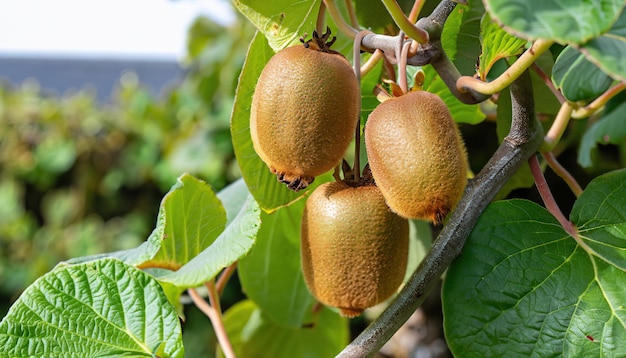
{"x": 496, "y": 44}
{"x": 524, "y": 287}
{"x": 194, "y": 217}
{"x": 253, "y": 334}
{"x": 461, "y": 112}
{"x": 610, "y": 129}
{"x": 578, "y": 78}
{"x": 281, "y": 22}
{"x": 232, "y": 244}
{"x": 271, "y": 275}
{"x": 560, "y": 21}
{"x": 99, "y": 309}
{"x": 609, "y": 50}
{"x": 460, "y": 36}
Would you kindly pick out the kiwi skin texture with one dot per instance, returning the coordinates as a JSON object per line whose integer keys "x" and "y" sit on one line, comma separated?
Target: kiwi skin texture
{"x": 354, "y": 249}
{"x": 417, "y": 156}
{"x": 304, "y": 111}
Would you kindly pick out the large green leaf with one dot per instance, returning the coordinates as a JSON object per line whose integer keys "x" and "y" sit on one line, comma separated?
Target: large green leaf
{"x": 232, "y": 244}
{"x": 460, "y": 36}
{"x": 561, "y": 21}
{"x": 609, "y": 50}
{"x": 524, "y": 287}
{"x": 271, "y": 275}
{"x": 194, "y": 217}
{"x": 578, "y": 78}
{"x": 496, "y": 44}
{"x": 102, "y": 308}
{"x": 253, "y": 334}
{"x": 282, "y": 22}
{"x": 610, "y": 129}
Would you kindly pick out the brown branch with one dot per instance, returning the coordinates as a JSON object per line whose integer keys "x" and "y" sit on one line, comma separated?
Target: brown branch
{"x": 523, "y": 141}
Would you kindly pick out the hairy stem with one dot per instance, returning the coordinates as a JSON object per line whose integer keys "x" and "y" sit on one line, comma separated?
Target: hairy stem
{"x": 558, "y": 127}
{"x": 404, "y": 23}
{"x": 522, "y": 142}
{"x": 548, "y": 199}
{"x": 568, "y": 178}
{"x": 466, "y": 83}
{"x": 215, "y": 315}
{"x": 599, "y": 102}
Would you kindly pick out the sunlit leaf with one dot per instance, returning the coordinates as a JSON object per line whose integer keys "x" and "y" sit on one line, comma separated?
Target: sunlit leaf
{"x": 232, "y": 244}
{"x": 496, "y": 44}
{"x": 98, "y": 309}
{"x": 523, "y": 285}
{"x": 194, "y": 217}
{"x": 281, "y": 22}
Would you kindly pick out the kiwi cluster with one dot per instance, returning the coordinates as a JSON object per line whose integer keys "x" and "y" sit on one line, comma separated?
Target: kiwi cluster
{"x": 355, "y": 231}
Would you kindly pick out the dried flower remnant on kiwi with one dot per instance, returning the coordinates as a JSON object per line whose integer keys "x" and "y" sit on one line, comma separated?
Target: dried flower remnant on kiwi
{"x": 304, "y": 111}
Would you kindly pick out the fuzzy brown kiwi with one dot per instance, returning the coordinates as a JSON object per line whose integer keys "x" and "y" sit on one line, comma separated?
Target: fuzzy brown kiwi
{"x": 304, "y": 111}
{"x": 416, "y": 155}
{"x": 354, "y": 249}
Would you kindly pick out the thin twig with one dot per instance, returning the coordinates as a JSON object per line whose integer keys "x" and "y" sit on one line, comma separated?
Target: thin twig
{"x": 402, "y": 80}
{"x": 341, "y": 23}
{"x": 404, "y": 23}
{"x": 224, "y": 277}
{"x": 560, "y": 170}
{"x": 523, "y": 141}
{"x": 548, "y": 199}
{"x": 321, "y": 19}
{"x": 548, "y": 81}
{"x": 523, "y": 62}
{"x": 215, "y": 315}
{"x": 351, "y": 14}
{"x": 558, "y": 127}
{"x": 599, "y": 102}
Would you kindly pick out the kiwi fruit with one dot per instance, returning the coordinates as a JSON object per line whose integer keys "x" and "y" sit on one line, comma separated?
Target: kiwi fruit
{"x": 416, "y": 155}
{"x": 304, "y": 111}
{"x": 354, "y": 249}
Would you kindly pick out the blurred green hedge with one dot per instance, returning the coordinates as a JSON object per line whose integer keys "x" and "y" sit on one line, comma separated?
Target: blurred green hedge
{"x": 78, "y": 177}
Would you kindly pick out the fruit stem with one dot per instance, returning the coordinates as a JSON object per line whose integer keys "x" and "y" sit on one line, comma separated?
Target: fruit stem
{"x": 214, "y": 313}
{"x": 402, "y": 80}
{"x": 554, "y": 164}
{"x": 404, "y": 23}
{"x": 558, "y": 127}
{"x": 548, "y": 199}
{"x": 341, "y": 23}
{"x": 321, "y": 19}
{"x": 466, "y": 83}
{"x": 356, "y": 54}
{"x": 599, "y": 102}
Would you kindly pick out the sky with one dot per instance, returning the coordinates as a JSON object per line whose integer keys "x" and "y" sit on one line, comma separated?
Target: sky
{"x": 147, "y": 29}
